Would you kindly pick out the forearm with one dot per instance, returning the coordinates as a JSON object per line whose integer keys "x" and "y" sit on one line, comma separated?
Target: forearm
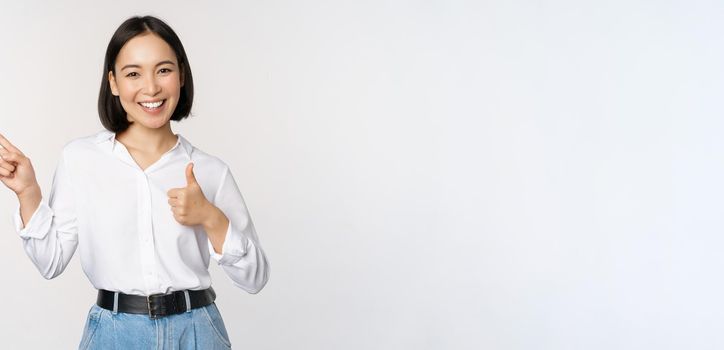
{"x": 216, "y": 226}
{"x": 243, "y": 260}
{"x": 29, "y": 201}
{"x": 48, "y": 232}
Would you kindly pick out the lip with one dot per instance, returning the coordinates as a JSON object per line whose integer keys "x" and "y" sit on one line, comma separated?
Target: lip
{"x": 153, "y": 111}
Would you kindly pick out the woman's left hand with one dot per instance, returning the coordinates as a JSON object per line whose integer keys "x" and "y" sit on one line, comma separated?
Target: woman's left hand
{"x": 188, "y": 204}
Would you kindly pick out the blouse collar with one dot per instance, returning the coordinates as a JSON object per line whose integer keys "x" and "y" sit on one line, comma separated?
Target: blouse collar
{"x": 106, "y": 135}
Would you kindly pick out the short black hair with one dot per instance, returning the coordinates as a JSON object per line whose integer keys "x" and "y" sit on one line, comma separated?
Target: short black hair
{"x": 111, "y": 112}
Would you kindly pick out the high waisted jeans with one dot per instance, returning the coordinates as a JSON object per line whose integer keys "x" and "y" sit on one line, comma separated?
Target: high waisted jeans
{"x": 199, "y": 328}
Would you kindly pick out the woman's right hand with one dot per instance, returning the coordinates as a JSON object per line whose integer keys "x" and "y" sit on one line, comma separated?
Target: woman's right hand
{"x": 16, "y": 171}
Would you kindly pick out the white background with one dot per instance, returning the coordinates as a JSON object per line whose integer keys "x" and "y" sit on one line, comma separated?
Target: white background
{"x": 422, "y": 174}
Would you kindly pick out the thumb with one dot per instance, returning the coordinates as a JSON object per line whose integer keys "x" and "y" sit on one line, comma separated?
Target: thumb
{"x": 190, "y": 177}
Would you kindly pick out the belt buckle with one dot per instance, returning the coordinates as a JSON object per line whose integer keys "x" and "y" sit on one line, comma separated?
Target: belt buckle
{"x": 148, "y": 303}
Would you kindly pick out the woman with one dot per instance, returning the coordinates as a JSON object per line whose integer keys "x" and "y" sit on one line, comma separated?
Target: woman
{"x": 145, "y": 208}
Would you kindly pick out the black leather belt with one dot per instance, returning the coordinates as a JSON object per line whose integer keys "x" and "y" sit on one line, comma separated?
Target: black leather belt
{"x": 156, "y": 305}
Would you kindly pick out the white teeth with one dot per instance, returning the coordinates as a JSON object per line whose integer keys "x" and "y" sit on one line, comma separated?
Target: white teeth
{"x": 152, "y": 105}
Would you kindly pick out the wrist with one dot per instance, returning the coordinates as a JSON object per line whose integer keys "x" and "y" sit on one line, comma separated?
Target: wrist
{"x": 29, "y": 192}
{"x": 216, "y": 226}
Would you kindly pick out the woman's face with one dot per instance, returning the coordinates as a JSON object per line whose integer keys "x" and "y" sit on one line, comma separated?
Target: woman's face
{"x": 147, "y": 80}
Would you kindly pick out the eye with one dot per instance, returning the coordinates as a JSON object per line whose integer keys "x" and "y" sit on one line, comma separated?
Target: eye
{"x": 132, "y": 74}
{"x": 165, "y": 69}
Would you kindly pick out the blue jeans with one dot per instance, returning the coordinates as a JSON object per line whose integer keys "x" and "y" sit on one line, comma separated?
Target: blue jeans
{"x": 199, "y": 328}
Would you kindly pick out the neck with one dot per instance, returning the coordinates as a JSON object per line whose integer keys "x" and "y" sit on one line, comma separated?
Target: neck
{"x": 146, "y": 139}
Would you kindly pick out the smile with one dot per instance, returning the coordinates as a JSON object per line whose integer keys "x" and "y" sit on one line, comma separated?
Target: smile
{"x": 152, "y": 105}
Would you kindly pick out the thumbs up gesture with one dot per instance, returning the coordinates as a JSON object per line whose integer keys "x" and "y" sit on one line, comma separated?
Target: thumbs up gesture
{"x": 188, "y": 204}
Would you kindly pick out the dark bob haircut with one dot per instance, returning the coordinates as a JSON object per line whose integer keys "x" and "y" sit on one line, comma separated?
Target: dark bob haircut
{"x": 111, "y": 112}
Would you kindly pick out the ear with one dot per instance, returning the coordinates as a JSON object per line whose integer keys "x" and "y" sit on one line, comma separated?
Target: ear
{"x": 112, "y": 82}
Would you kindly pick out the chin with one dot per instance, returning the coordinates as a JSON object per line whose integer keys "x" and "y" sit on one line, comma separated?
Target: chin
{"x": 151, "y": 124}
{"x": 156, "y": 124}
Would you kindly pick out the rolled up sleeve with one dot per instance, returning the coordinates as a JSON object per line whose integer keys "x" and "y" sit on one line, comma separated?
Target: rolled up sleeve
{"x": 50, "y": 236}
{"x": 242, "y": 257}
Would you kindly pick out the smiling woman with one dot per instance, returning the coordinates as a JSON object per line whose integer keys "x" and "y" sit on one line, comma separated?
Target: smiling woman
{"x": 143, "y": 82}
{"x": 145, "y": 63}
{"x": 145, "y": 208}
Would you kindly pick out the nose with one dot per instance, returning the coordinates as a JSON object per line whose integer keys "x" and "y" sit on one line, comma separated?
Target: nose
{"x": 151, "y": 86}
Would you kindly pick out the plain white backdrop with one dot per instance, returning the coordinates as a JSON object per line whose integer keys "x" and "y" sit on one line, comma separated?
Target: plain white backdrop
{"x": 422, "y": 174}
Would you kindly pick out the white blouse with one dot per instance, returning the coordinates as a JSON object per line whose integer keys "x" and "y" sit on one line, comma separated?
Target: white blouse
{"x": 118, "y": 217}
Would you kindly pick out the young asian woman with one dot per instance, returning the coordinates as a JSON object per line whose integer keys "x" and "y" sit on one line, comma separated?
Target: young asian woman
{"x": 145, "y": 208}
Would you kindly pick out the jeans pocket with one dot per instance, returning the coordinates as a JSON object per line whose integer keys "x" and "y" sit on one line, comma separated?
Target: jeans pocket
{"x": 217, "y": 323}
{"x": 91, "y": 324}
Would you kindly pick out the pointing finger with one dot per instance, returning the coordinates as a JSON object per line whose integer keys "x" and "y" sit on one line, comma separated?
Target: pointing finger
{"x": 7, "y": 145}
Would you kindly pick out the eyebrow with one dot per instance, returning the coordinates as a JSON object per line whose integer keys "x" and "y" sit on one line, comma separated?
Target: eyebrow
{"x": 157, "y": 64}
